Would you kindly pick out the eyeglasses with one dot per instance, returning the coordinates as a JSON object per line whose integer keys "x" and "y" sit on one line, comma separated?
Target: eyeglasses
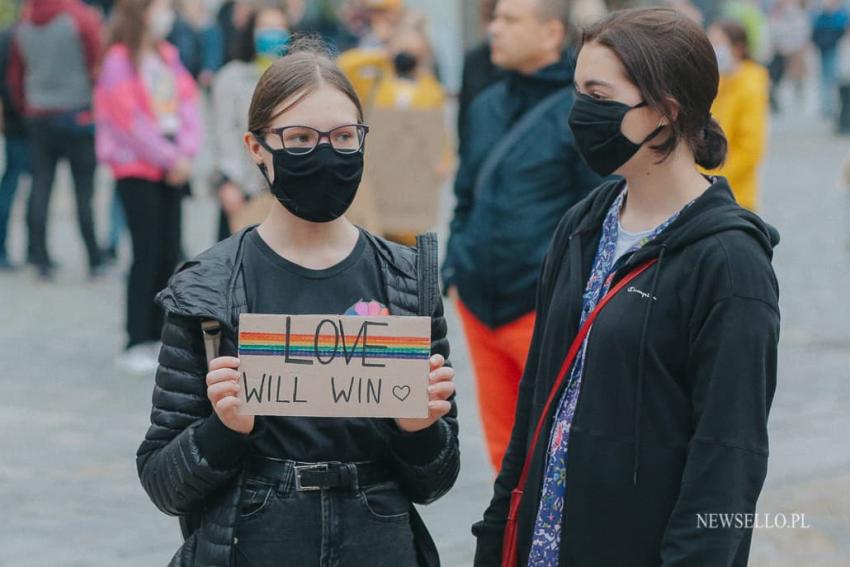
{"x": 301, "y": 140}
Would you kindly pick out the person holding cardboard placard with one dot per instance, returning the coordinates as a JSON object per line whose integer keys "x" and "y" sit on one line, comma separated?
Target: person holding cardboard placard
{"x": 300, "y": 491}
{"x": 652, "y": 369}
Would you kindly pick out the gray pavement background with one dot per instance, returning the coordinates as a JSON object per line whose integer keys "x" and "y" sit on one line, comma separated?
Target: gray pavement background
{"x": 70, "y": 422}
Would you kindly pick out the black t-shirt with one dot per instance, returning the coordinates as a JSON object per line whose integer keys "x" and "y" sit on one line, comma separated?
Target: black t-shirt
{"x": 351, "y": 287}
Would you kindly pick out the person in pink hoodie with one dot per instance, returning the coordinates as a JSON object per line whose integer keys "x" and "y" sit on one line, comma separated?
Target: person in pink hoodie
{"x": 147, "y": 115}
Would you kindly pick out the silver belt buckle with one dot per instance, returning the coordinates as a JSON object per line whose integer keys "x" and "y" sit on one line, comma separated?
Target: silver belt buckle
{"x": 301, "y": 468}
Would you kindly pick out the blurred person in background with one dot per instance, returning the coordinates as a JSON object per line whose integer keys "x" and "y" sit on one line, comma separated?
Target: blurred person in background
{"x": 410, "y": 83}
{"x": 197, "y": 39}
{"x": 368, "y": 63}
{"x": 325, "y": 18}
{"x": 749, "y": 13}
{"x": 519, "y": 172}
{"x": 479, "y": 72}
{"x": 231, "y": 19}
{"x": 384, "y": 17}
{"x": 829, "y": 27}
{"x": 741, "y": 108}
{"x": 843, "y": 78}
{"x": 16, "y": 149}
{"x": 265, "y": 38}
{"x": 790, "y": 34}
{"x": 147, "y": 110}
{"x": 54, "y": 56}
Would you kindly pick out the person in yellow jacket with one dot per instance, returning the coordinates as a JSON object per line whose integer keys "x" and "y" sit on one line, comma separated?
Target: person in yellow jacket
{"x": 367, "y": 63}
{"x": 401, "y": 76}
{"x": 398, "y": 75}
{"x": 741, "y": 108}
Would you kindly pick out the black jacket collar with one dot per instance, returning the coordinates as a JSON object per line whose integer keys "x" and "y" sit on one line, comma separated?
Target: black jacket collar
{"x": 209, "y": 285}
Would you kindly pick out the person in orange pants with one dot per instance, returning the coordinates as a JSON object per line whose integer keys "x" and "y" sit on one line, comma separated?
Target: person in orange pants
{"x": 498, "y": 358}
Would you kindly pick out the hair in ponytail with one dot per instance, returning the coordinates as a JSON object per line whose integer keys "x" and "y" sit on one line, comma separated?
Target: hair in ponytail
{"x": 710, "y": 150}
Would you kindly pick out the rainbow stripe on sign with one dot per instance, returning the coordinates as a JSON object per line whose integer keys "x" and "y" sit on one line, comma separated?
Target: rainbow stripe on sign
{"x": 328, "y": 346}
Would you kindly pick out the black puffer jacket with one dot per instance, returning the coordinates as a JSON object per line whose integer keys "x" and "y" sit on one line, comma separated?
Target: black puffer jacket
{"x": 173, "y": 467}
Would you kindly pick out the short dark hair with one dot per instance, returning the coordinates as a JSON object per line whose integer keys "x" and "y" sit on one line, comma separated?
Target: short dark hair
{"x": 737, "y": 35}
{"x": 560, "y": 10}
{"x": 668, "y": 56}
{"x": 306, "y": 67}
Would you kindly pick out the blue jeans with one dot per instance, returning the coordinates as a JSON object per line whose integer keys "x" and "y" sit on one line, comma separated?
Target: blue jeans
{"x": 17, "y": 163}
{"x": 280, "y": 526}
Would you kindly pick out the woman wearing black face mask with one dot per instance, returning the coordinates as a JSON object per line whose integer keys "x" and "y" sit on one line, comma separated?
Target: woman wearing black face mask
{"x": 643, "y": 408}
{"x": 274, "y": 491}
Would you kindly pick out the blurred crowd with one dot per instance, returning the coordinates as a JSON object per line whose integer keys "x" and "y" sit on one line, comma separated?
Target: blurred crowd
{"x": 139, "y": 85}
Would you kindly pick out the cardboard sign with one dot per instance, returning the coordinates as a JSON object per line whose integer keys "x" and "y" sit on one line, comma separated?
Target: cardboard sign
{"x": 403, "y": 154}
{"x": 334, "y": 365}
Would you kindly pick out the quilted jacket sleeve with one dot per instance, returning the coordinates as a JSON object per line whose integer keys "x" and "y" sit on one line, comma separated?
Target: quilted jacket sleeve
{"x": 427, "y": 462}
{"x": 174, "y": 468}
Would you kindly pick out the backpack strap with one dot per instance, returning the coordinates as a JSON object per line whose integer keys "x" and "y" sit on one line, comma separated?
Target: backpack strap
{"x": 427, "y": 273}
{"x": 212, "y": 338}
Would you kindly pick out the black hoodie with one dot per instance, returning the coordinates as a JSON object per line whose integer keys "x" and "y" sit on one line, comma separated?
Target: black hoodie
{"x": 679, "y": 375}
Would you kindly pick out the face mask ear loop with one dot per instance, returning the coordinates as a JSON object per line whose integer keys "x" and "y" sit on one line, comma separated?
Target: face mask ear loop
{"x": 653, "y": 134}
{"x": 261, "y": 165}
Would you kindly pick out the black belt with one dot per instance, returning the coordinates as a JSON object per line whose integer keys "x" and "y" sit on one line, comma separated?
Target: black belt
{"x": 319, "y": 476}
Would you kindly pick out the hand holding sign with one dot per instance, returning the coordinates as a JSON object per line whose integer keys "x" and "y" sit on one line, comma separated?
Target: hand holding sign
{"x": 441, "y": 388}
{"x": 223, "y": 392}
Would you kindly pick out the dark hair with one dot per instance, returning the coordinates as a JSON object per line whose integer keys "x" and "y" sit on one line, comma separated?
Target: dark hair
{"x": 305, "y": 68}
{"x": 560, "y": 10}
{"x": 243, "y": 45}
{"x": 128, "y": 26}
{"x": 737, "y": 35}
{"x": 487, "y": 9}
{"x": 668, "y": 56}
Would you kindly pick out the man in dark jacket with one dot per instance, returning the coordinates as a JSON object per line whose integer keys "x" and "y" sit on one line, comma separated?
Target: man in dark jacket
{"x": 519, "y": 173}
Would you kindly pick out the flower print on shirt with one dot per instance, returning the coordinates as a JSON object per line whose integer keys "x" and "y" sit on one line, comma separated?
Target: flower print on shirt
{"x": 368, "y": 308}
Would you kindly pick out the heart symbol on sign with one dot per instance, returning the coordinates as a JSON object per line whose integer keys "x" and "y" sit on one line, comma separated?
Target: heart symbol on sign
{"x": 401, "y": 392}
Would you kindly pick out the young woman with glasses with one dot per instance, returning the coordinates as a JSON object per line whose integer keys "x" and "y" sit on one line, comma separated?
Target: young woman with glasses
{"x": 274, "y": 491}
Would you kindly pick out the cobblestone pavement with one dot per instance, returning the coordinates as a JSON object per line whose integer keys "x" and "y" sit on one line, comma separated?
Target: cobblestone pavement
{"x": 70, "y": 422}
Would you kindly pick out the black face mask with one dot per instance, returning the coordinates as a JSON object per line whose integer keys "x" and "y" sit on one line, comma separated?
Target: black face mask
{"x": 597, "y": 129}
{"x": 405, "y": 64}
{"x": 317, "y": 187}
